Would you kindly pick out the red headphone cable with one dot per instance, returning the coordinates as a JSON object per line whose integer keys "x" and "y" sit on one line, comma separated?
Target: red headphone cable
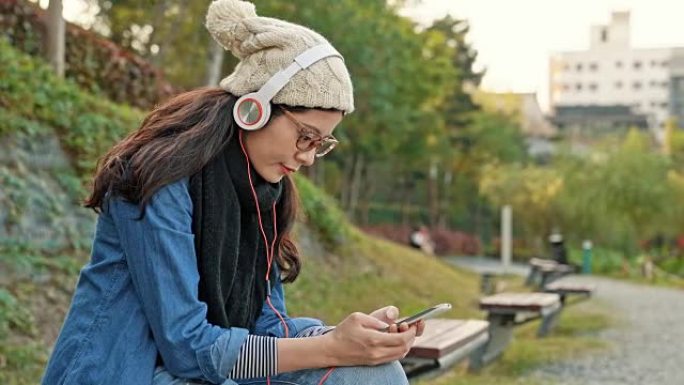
{"x": 270, "y": 253}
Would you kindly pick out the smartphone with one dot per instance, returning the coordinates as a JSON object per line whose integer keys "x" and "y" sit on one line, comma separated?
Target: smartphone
{"x": 425, "y": 314}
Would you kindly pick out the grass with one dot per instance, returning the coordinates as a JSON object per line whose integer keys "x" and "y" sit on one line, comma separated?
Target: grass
{"x": 32, "y": 308}
{"x": 370, "y": 273}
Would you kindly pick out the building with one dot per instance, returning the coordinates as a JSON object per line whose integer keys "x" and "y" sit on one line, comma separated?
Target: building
{"x": 612, "y": 85}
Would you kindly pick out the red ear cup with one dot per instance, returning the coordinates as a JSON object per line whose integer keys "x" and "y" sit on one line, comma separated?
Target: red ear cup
{"x": 250, "y": 113}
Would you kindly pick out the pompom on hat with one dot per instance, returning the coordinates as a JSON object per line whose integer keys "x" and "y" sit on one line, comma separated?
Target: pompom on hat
{"x": 265, "y": 45}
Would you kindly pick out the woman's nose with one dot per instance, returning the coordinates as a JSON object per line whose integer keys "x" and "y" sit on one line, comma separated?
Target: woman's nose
{"x": 306, "y": 158}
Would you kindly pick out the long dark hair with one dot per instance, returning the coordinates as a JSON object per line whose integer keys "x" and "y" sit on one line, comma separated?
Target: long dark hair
{"x": 174, "y": 141}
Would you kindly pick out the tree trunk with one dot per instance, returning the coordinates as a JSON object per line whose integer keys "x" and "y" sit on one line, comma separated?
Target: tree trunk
{"x": 366, "y": 195}
{"x": 347, "y": 173}
{"x": 55, "y": 37}
{"x": 355, "y": 185}
{"x": 433, "y": 199}
{"x": 215, "y": 63}
{"x": 320, "y": 176}
{"x": 406, "y": 189}
{"x": 442, "y": 215}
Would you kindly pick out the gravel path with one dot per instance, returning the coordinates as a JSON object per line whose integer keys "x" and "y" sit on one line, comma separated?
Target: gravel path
{"x": 646, "y": 345}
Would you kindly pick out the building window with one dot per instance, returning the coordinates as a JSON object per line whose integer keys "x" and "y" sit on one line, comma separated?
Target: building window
{"x": 653, "y": 63}
{"x": 637, "y": 65}
{"x": 665, "y": 84}
{"x": 618, "y": 64}
{"x": 654, "y": 83}
{"x": 618, "y": 84}
{"x": 604, "y": 34}
{"x": 663, "y": 105}
{"x": 666, "y": 63}
{"x": 578, "y": 86}
{"x": 593, "y": 66}
{"x": 566, "y": 67}
{"x": 636, "y": 85}
{"x": 578, "y": 67}
{"x": 565, "y": 87}
{"x": 593, "y": 86}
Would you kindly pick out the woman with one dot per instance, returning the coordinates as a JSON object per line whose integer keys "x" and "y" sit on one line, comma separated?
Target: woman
{"x": 194, "y": 209}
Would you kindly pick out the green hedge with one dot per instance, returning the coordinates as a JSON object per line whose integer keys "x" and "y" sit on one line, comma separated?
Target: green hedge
{"x": 322, "y": 214}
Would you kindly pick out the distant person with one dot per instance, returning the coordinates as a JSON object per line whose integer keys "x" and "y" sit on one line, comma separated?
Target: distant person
{"x": 420, "y": 239}
{"x": 417, "y": 237}
{"x": 558, "y": 251}
{"x": 194, "y": 232}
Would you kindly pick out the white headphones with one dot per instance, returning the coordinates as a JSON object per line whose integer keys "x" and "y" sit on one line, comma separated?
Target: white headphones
{"x": 252, "y": 111}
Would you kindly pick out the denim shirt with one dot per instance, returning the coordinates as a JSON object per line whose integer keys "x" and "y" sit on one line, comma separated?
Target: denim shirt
{"x": 138, "y": 297}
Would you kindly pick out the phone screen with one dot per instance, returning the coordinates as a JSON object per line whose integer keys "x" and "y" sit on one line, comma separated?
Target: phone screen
{"x": 424, "y": 314}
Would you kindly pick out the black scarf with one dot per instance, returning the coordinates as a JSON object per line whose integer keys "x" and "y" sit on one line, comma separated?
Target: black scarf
{"x": 231, "y": 256}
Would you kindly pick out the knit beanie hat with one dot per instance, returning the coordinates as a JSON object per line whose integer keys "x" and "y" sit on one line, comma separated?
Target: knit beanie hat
{"x": 265, "y": 45}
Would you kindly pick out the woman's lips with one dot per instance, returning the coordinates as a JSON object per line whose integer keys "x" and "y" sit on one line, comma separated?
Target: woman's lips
{"x": 286, "y": 169}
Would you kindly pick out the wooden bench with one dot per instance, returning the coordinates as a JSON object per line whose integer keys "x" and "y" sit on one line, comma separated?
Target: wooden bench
{"x": 444, "y": 343}
{"x": 566, "y": 288}
{"x": 544, "y": 271}
{"x": 506, "y": 310}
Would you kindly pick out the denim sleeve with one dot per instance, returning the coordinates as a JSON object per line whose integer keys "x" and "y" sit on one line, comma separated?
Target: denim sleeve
{"x": 161, "y": 258}
{"x": 268, "y": 323}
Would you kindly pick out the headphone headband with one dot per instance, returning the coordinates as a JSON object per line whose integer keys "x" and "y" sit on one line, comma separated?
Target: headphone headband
{"x": 302, "y": 61}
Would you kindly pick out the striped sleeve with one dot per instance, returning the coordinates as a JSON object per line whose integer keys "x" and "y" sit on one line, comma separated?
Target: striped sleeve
{"x": 258, "y": 358}
{"x": 314, "y": 331}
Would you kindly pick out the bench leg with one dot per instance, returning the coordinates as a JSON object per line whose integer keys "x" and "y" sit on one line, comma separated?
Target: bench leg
{"x": 549, "y": 322}
{"x": 487, "y": 284}
{"x": 500, "y": 335}
{"x": 532, "y": 276}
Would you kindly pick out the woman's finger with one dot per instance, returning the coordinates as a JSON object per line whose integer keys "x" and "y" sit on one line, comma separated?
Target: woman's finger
{"x": 420, "y": 328}
{"x": 386, "y": 314}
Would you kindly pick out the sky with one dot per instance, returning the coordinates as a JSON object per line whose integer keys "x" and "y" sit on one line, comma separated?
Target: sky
{"x": 515, "y": 38}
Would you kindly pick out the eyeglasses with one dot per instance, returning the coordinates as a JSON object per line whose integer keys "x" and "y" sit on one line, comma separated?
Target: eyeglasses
{"x": 309, "y": 139}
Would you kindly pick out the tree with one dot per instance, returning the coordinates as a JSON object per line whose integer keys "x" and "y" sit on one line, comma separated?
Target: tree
{"x": 463, "y": 58}
{"x": 169, "y": 33}
{"x": 214, "y": 63}
{"x": 530, "y": 190}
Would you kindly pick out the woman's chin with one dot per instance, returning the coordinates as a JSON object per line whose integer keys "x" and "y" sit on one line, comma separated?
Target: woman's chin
{"x": 275, "y": 179}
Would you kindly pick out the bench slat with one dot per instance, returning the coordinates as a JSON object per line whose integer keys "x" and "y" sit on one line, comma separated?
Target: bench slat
{"x": 443, "y": 336}
{"x": 522, "y": 301}
{"x": 569, "y": 287}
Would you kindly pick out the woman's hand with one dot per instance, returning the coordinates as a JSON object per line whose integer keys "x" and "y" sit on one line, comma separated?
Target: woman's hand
{"x": 358, "y": 339}
{"x": 389, "y": 315}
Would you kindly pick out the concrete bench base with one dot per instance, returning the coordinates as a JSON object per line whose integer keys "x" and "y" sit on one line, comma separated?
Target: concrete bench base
{"x": 565, "y": 289}
{"x": 544, "y": 271}
{"x": 446, "y": 342}
{"x": 505, "y": 311}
